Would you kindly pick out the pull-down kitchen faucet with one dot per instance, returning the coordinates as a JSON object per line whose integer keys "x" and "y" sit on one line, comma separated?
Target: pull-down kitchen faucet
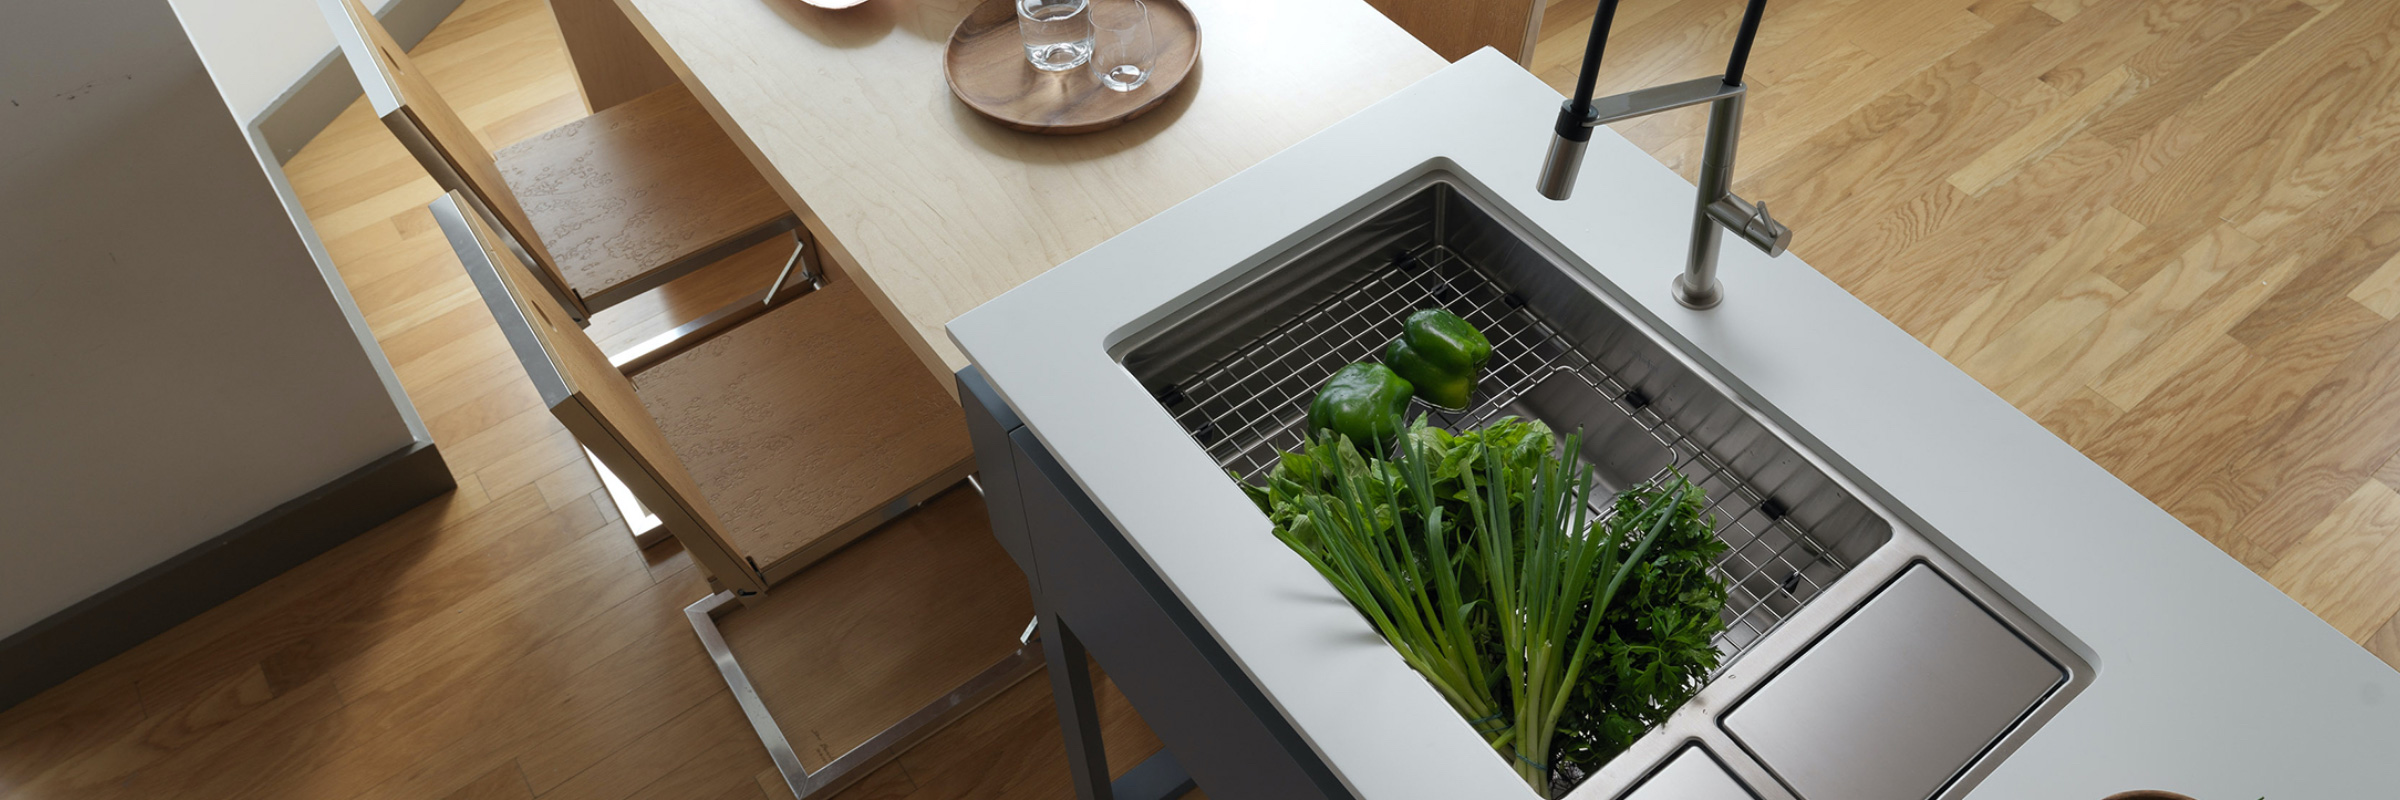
{"x": 1697, "y": 287}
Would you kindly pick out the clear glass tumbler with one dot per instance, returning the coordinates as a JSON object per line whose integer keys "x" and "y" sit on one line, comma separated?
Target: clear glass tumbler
{"x": 1122, "y": 48}
{"x": 1057, "y": 33}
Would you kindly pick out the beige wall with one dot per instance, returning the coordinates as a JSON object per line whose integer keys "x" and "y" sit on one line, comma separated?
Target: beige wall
{"x": 258, "y": 48}
{"x": 173, "y": 360}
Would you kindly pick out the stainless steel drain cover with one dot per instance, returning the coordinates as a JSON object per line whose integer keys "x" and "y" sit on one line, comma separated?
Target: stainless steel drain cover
{"x": 1693, "y": 775}
{"x": 1897, "y": 699}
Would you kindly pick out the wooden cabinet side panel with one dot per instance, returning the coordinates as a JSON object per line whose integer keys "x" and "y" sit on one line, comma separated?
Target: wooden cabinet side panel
{"x": 1456, "y": 28}
{"x": 612, "y": 60}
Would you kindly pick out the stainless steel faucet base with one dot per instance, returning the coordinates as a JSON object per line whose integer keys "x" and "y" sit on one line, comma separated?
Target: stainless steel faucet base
{"x": 1702, "y": 299}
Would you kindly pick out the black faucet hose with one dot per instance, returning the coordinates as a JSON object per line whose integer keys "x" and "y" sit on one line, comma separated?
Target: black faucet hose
{"x": 1571, "y": 116}
{"x": 1741, "y": 42}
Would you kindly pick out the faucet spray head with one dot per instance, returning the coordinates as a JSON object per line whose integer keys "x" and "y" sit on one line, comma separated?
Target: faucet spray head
{"x": 1559, "y": 168}
{"x": 1574, "y": 133}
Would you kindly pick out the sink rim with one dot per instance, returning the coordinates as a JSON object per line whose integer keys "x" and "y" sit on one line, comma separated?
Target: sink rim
{"x": 1777, "y": 646}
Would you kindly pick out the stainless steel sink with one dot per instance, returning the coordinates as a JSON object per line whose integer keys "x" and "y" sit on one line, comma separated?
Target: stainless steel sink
{"x": 1808, "y": 548}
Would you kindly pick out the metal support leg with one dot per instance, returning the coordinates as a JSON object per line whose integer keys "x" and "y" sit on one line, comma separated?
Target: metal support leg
{"x": 1159, "y": 777}
{"x": 1078, "y": 713}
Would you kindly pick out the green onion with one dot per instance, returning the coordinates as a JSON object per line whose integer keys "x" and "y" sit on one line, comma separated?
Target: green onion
{"x": 1371, "y": 558}
{"x": 1538, "y": 562}
{"x": 1477, "y": 557}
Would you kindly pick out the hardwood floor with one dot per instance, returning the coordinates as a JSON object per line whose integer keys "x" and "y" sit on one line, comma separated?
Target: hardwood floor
{"x": 507, "y": 640}
{"x": 2167, "y": 229}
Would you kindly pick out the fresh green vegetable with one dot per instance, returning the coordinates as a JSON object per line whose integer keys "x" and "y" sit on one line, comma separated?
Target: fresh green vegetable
{"x": 1297, "y": 474}
{"x": 1397, "y": 568}
{"x": 1473, "y": 554}
{"x": 1541, "y": 585}
{"x": 1442, "y": 355}
{"x": 1363, "y": 402}
{"x": 1661, "y": 633}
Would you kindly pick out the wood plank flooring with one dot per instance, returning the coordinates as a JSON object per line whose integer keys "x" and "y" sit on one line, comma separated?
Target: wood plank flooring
{"x": 2168, "y": 229}
{"x": 507, "y": 640}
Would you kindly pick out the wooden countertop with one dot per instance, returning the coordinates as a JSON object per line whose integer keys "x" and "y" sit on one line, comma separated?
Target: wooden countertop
{"x": 935, "y": 210}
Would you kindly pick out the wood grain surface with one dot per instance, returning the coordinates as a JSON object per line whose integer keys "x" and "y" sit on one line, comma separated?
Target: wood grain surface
{"x": 2169, "y": 230}
{"x": 604, "y": 413}
{"x": 986, "y": 67}
{"x": 935, "y": 209}
{"x": 802, "y": 421}
{"x": 640, "y": 318}
{"x": 643, "y": 186}
{"x": 867, "y": 659}
{"x": 414, "y": 111}
{"x": 600, "y": 203}
{"x": 612, "y": 62}
{"x": 508, "y": 640}
{"x": 1454, "y": 28}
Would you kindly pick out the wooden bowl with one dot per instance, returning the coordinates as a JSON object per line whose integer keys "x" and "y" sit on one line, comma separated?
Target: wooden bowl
{"x": 985, "y": 64}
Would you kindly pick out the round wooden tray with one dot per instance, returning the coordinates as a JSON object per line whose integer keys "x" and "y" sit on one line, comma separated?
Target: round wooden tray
{"x": 985, "y": 64}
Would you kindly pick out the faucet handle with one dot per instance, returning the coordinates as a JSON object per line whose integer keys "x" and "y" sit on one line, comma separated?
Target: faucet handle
{"x": 1771, "y": 236}
{"x": 1752, "y": 223}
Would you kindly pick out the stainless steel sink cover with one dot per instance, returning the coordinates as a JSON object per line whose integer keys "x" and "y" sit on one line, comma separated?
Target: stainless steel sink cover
{"x": 1897, "y": 699}
{"x": 1237, "y": 368}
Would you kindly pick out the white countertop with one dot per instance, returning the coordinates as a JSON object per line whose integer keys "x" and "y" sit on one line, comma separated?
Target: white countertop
{"x": 2209, "y": 681}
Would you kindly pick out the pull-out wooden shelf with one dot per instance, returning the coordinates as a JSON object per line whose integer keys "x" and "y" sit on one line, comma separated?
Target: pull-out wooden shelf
{"x": 882, "y": 628}
{"x": 807, "y": 427}
{"x": 636, "y": 194}
{"x": 762, "y": 449}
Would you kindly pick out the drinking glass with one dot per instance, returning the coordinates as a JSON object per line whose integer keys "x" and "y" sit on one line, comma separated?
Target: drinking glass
{"x": 1057, "y": 33}
{"x": 1122, "y": 49}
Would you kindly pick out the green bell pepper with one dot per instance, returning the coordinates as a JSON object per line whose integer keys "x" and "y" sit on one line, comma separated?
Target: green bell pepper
{"x": 1441, "y": 355}
{"x": 1362, "y": 401}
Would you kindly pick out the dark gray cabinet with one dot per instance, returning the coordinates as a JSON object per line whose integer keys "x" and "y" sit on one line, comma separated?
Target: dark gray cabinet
{"x": 1095, "y": 593}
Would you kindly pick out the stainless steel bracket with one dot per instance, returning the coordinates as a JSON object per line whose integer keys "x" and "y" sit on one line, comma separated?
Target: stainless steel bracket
{"x": 810, "y": 275}
{"x": 652, "y": 351}
{"x": 1668, "y": 97}
{"x": 876, "y": 750}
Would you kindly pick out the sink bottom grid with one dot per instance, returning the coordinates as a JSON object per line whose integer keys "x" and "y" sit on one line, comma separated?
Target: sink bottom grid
{"x": 1252, "y": 403}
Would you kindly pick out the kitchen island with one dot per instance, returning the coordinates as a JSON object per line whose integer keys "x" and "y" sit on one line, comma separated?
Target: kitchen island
{"x": 2202, "y": 677}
